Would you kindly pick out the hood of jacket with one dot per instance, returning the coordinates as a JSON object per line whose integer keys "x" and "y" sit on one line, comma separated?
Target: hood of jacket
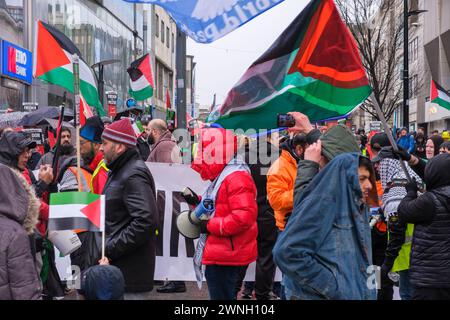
{"x": 437, "y": 141}
{"x": 437, "y": 172}
{"x": 19, "y": 202}
{"x": 11, "y": 146}
{"x": 216, "y": 149}
{"x": 167, "y": 136}
{"x": 386, "y": 153}
{"x": 288, "y": 146}
{"x": 338, "y": 140}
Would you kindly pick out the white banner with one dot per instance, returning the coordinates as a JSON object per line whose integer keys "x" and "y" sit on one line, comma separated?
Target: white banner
{"x": 174, "y": 252}
{"x": 174, "y": 259}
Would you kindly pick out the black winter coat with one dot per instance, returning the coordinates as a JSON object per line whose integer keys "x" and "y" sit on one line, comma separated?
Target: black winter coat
{"x": 430, "y": 252}
{"x": 131, "y": 217}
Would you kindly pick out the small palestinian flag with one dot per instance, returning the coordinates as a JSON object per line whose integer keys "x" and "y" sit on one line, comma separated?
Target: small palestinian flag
{"x": 314, "y": 67}
{"x": 168, "y": 102}
{"x": 439, "y": 95}
{"x": 54, "y": 52}
{"x": 141, "y": 79}
{"x": 138, "y": 128}
{"x": 85, "y": 111}
{"x": 77, "y": 210}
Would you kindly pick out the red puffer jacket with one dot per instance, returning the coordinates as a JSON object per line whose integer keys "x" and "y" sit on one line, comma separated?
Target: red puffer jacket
{"x": 233, "y": 229}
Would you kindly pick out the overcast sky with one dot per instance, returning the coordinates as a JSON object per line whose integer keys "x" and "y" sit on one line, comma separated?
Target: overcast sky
{"x": 221, "y": 63}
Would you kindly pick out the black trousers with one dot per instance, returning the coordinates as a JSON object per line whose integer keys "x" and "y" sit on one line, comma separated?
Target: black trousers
{"x": 421, "y": 293}
{"x": 265, "y": 267}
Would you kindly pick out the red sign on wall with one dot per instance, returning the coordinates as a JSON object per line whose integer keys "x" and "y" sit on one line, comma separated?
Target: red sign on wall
{"x": 12, "y": 66}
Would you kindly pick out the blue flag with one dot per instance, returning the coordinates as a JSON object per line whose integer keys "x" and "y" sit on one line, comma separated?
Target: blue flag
{"x": 208, "y": 20}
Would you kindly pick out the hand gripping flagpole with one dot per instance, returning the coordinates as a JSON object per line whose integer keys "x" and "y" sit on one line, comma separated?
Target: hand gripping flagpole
{"x": 76, "y": 93}
{"x": 388, "y": 131}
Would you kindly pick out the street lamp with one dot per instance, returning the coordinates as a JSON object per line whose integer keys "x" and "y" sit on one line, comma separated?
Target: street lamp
{"x": 101, "y": 83}
{"x": 406, "y": 15}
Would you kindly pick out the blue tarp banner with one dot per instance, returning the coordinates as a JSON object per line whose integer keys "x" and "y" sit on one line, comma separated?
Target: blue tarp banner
{"x": 208, "y": 20}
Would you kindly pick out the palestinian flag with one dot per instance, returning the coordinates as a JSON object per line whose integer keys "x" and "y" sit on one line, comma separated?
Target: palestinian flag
{"x": 314, "y": 67}
{"x": 77, "y": 210}
{"x": 138, "y": 128}
{"x": 141, "y": 79}
{"x": 168, "y": 102}
{"x": 439, "y": 95}
{"x": 53, "y": 52}
{"x": 85, "y": 111}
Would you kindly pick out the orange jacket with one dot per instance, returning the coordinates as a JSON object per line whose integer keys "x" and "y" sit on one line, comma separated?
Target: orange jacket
{"x": 280, "y": 187}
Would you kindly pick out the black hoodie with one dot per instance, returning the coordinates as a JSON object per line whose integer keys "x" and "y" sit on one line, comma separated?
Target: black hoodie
{"x": 12, "y": 145}
{"x": 430, "y": 213}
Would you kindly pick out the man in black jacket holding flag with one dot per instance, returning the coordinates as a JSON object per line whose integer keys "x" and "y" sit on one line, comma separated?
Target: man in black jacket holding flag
{"x": 131, "y": 213}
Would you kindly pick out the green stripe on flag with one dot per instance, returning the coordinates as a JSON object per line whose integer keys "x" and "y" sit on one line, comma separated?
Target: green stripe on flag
{"x": 143, "y": 94}
{"x": 64, "y": 78}
{"x": 72, "y": 198}
{"x": 443, "y": 103}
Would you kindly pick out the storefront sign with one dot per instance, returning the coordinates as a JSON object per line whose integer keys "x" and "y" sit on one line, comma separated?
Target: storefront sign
{"x": 111, "y": 98}
{"x": 30, "y": 106}
{"x": 16, "y": 62}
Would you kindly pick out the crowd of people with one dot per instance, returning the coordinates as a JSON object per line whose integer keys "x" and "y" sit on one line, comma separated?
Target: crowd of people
{"x": 329, "y": 209}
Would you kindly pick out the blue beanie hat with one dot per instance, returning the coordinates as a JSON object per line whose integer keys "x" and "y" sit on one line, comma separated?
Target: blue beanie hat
{"x": 93, "y": 130}
{"x": 103, "y": 282}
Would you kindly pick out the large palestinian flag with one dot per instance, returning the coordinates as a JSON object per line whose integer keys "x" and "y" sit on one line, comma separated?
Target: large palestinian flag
{"x": 53, "y": 52}
{"x": 439, "y": 95}
{"x": 141, "y": 79}
{"x": 77, "y": 210}
{"x": 314, "y": 67}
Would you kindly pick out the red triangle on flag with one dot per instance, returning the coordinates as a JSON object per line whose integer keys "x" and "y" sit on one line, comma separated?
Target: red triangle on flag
{"x": 51, "y": 139}
{"x": 49, "y": 54}
{"x": 328, "y": 51}
{"x": 146, "y": 69}
{"x": 93, "y": 212}
{"x": 168, "y": 103}
{"x": 434, "y": 91}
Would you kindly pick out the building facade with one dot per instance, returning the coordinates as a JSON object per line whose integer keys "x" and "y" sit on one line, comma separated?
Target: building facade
{"x": 102, "y": 30}
{"x": 12, "y": 91}
{"x": 191, "y": 106}
{"x": 162, "y": 47}
{"x": 436, "y": 49}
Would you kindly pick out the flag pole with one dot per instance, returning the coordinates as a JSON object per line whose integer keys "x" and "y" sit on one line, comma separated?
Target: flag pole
{"x": 58, "y": 138}
{"x": 103, "y": 244}
{"x": 76, "y": 92}
{"x": 388, "y": 131}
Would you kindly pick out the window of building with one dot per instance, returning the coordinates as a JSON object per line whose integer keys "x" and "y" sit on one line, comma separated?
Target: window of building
{"x": 162, "y": 31}
{"x": 414, "y": 49}
{"x": 160, "y": 93}
{"x": 413, "y": 86}
{"x": 173, "y": 43}
{"x": 157, "y": 26}
{"x": 168, "y": 37}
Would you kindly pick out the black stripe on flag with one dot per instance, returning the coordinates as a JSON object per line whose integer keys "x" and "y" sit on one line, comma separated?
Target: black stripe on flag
{"x": 134, "y": 71}
{"x": 438, "y": 86}
{"x": 60, "y": 224}
{"x": 62, "y": 40}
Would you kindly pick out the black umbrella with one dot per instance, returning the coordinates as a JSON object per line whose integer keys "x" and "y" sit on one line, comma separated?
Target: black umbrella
{"x": 36, "y": 117}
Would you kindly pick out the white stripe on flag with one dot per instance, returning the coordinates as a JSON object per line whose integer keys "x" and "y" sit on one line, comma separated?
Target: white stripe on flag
{"x": 444, "y": 96}
{"x": 102, "y": 213}
{"x": 139, "y": 84}
{"x": 67, "y": 211}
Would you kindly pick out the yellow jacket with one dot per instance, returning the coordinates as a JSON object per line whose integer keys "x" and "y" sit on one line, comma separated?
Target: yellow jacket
{"x": 280, "y": 187}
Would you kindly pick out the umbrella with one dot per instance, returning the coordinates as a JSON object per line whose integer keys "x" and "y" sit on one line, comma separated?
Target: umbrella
{"x": 36, "y": 117}
{"x": 54, "y": 123}
{"x": 11, "y": 119}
